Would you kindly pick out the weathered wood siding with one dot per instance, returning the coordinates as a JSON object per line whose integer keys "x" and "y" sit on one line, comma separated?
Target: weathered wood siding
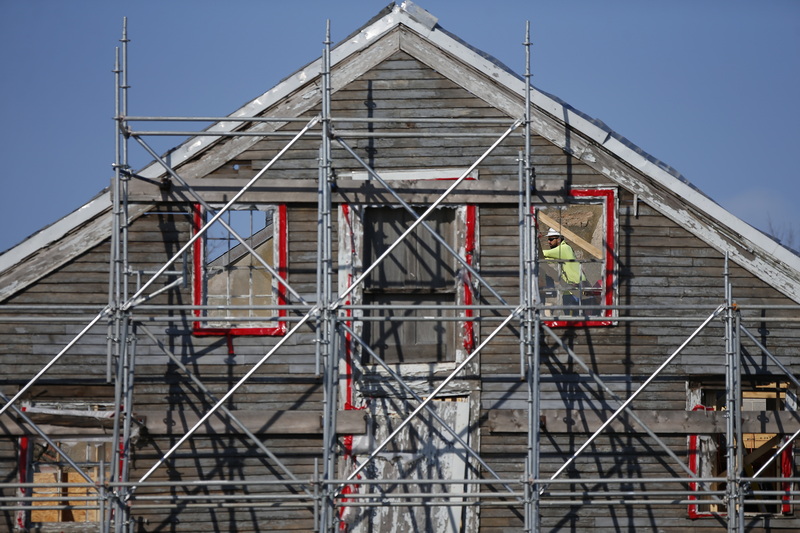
{"x": 286, "y": 382}
{"x": 658, "y": 263}
{"x": 661, "y": 264}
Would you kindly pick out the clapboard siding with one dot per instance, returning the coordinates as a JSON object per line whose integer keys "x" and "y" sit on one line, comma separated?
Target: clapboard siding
{"x": 661, "y": 264}
{"x": 397, "y": 97}
{"x": 210, "y": 460}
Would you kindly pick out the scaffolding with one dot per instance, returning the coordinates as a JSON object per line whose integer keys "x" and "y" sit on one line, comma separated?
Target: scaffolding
{"x": 116, "y": 497}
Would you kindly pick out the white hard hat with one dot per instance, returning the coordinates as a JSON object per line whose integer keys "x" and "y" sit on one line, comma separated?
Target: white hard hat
{"x": 553, "y": 233}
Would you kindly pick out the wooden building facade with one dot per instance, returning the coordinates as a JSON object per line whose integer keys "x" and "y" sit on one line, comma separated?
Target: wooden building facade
{"x": 332, "y": 310}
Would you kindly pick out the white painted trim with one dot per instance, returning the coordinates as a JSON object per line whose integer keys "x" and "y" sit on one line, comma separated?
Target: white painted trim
{"x": 416, "y": 174}
{"x": 55, "y": 231}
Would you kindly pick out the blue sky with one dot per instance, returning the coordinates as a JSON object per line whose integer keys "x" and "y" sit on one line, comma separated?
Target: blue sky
{"x": 708, "y": 87}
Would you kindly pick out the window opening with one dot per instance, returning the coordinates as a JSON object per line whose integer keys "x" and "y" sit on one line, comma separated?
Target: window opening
{"x": 576, "y": 256}
{"x": 412, "y": 286}
{"x": 48, "y": 467}
{"x": 707, "y": 453}
{"x": 235, "y": 285}
{"x": 61, "y": 494}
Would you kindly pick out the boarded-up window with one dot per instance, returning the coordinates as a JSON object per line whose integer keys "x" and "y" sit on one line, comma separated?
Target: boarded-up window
{"x": 412, "y": 287}
{"x": 62, "y": 494}
{"x": 238, "y": 285}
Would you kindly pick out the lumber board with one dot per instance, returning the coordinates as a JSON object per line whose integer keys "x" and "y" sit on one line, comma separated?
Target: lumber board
{"x": 660, "y": 421}
{"x": 305, "y": 190}
{"x": 260, "y": 422}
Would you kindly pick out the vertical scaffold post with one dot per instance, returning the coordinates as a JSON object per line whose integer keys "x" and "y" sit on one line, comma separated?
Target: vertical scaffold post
{"x": 529, "y": 289}
{"x": 328, "y": 353}
{"x": 113, "y": 267}
{"x": 117, "y": 354}
{"x": 124, "y": 379}
{"x": 737, "y": 351}
{"x": 733, "y": 491}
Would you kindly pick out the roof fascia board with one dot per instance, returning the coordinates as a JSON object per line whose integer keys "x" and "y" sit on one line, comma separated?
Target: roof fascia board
{"x": 54, "y": 254}
{"x": 55, "y": 231}
{"x": 771, "y": 262}
{"x": 697, "y": 198}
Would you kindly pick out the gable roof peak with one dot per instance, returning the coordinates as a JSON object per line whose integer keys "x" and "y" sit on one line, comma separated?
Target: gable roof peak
{"x": 419, "y": 14}
{"x": 419, "y": 33}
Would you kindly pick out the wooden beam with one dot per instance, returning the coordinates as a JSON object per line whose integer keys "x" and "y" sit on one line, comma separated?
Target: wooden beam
{"x": 572, "y": 236}
{"x": 304, "y": 190}
{"x": 179, "y": 422}
{"x": 661, "y": 421}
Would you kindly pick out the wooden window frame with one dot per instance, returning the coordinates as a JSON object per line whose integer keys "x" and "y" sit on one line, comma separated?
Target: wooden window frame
{"x": 199, "y": 295}
{"x": 463, "y": 335}
{"x": 466, "y": 226}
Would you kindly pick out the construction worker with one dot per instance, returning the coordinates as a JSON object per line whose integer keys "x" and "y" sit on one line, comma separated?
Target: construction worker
{"x": 570, "y": 269}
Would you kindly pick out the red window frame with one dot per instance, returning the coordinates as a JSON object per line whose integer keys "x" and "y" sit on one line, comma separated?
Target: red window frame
{"x": 470, "y": 248}
{"x": 609, "y": 200}
{"x": 198, "y": 296}
{"x": 785, "y": 467}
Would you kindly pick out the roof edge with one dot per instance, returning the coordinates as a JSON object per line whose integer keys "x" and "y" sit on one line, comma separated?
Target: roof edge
{"x": 100, "y": 203}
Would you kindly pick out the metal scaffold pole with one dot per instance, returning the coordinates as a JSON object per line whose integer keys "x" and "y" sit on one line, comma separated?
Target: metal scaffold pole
{"x": 326, "y": 340}
{"x": 120, "y": 357}
{"x": 530, "y": 329}
{"x": 733, "y": 426}
{"x": 114, "y": 268}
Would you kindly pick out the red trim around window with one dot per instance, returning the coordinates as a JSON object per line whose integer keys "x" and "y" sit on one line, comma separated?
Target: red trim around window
{"x": 22, "y": 467}
{"x": 469, "y": 251}
{"x": 609, "y": 203}
{"x": 694, "y": 461}
{"x": 785, "y": 468}
{"x": 198, "y": 287}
